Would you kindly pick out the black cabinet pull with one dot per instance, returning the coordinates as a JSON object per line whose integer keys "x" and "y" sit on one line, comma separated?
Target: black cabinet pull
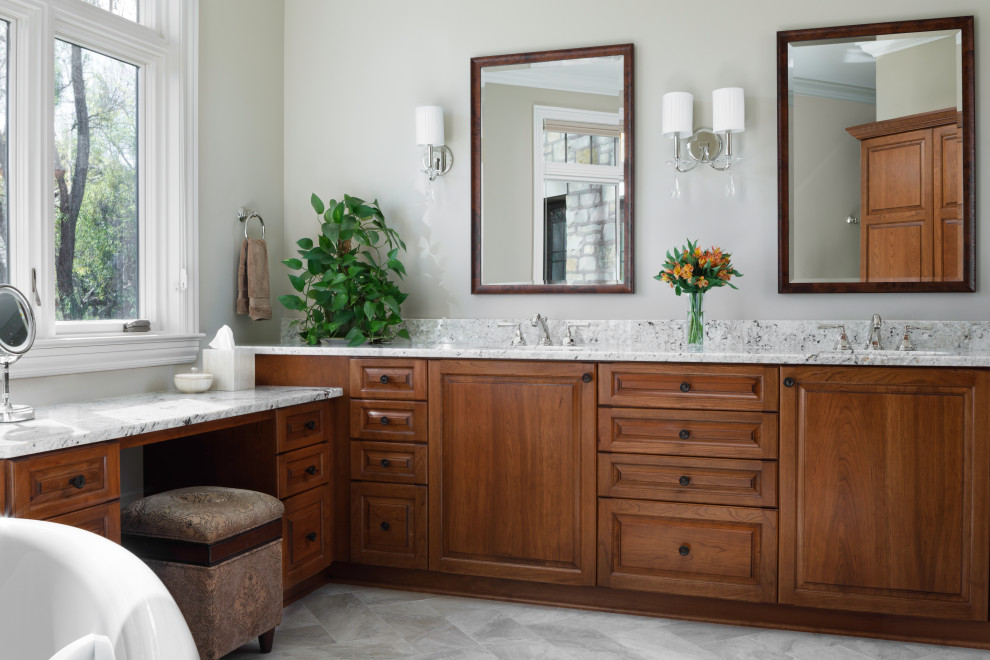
{"x": 684, "y": 481}
{"x": 788, "y": 382}
{"x": 311, "y": 536}
{"x": 685, "y": 387}
{"x": 384, "y": 462}
{"x": 383, "y": 421}
{"x": 684, "y": 550}
{"x": 383, "y": 380}
{"x": 77, "y": 481}
{"x": 311, "y": 469}
{"x": 385, "y": 526}
{"x": 310, "y": 425}
{"x": 684, "y": 434}
{"x": 586, "y": 378}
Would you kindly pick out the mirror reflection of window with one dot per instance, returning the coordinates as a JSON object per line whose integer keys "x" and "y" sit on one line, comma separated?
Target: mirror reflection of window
{"x": 13, "y": 324}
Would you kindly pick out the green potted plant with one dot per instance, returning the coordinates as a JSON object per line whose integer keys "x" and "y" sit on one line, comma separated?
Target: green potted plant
{"x": 344, "y": 284}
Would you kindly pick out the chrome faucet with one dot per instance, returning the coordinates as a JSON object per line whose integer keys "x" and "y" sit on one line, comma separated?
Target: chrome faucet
{"x": 875, "y": 342}
{"x": 539, "y": 321}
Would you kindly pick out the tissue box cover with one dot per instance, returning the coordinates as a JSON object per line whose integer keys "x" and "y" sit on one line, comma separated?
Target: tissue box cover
{"x": 231, "y": 369}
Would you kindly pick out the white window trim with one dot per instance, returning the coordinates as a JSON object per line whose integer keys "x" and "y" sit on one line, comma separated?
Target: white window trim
{"x": 165, "y": 45}
{"x": 564, "y": 171}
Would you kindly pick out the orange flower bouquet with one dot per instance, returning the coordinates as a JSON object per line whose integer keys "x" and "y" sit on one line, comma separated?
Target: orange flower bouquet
{"x": 693, "y": 271}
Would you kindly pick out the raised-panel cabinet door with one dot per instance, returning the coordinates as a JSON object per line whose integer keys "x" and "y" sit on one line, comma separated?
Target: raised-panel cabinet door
{"x": 883, "y": 490}
{"x": 512, "y": 470}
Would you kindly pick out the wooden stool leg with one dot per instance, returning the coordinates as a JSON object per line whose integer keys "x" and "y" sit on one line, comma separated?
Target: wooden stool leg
{"x": 266, "y": 640}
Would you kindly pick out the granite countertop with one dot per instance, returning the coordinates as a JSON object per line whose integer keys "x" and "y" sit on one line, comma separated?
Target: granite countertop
{"x": 639, "y": 353}
{"x": 73, "y": 424}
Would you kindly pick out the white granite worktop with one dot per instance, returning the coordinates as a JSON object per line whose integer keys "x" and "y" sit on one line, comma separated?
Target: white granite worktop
{"x": 938, "y": 343}
{"x": 74, "y": 424}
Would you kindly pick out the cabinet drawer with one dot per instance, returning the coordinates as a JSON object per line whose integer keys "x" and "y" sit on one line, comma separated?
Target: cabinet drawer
{"x": 388, "y": 379}
{"x": 688, "y": 549}
{"x": 388, "y": 525}
{"x": 301, "y": 426}
{"x": 302, "y": 469}
{"x": 688, "y": 433}
{"x": 60, "y": 482}
{"x": 701, "y": 387}
{"x": 306, "y": 543}
{"x": 396, "y": 421}
{"x": 103, "y": 519}
{"x": 700, "y": 480}
{"x": 388, "y": 461}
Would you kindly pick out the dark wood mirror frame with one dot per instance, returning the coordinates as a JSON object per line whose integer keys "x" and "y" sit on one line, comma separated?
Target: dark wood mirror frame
{"x": 626, "y": 223}
{"x": 968, "y": 282}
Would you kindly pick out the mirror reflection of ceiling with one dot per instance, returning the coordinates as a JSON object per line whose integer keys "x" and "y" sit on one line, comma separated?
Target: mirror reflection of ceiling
{"x": 593, "y": 75}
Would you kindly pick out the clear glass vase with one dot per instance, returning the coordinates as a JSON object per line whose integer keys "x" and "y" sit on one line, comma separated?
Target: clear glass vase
{"x": 694, "y": 329}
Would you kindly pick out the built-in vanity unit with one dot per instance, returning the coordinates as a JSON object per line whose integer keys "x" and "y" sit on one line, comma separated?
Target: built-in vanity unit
{"x": 814, "y": 492}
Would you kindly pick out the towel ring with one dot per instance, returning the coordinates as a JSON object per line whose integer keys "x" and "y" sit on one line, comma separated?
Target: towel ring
{"x": 244, "y": 215}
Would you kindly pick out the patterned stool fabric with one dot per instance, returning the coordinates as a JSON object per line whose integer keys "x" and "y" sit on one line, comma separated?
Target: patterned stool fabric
{"x": 219, "y": 552}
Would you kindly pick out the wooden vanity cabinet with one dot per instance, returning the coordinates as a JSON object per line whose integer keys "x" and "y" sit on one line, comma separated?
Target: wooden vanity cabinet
{"x": 884, "y": 498}
{"x": 512, "y": 469}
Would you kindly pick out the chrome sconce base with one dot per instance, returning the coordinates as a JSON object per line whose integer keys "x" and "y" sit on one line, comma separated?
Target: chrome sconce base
{"x": 704, "y": 147}
{"x": 437, "y": 161}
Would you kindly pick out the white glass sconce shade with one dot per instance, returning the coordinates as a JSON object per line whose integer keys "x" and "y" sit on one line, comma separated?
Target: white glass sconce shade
{"x": 728, "y": 110}
{"x": 429, "y": 125}
{"x": 677, "y": 116}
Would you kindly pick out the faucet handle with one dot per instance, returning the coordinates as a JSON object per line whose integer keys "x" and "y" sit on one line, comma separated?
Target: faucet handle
{"x": 906, "y": 344}
{"x": 843, "y": 343}
{"x": 518, "y": 340}
{"x": 569, "y": 338}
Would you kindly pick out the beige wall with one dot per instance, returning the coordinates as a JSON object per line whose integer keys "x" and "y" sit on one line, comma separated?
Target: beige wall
{"x": 366, "y": 145}
{"x": 918, "y": 79}
{"x": 507, "y": 150}
{"x": 825, "y": 171}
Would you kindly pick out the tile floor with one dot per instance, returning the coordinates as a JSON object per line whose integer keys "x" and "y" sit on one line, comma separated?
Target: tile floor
{"x": 343, "y": 621}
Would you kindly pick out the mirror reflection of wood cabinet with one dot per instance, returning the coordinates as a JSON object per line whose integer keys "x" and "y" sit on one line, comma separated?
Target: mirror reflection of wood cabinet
{"x": 911, "y": 228}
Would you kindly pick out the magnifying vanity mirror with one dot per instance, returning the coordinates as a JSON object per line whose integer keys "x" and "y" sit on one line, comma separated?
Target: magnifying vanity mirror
{"x": 551, "y": 171}
{"x": 16, "y": 338}
{"x": 876, "y": 149}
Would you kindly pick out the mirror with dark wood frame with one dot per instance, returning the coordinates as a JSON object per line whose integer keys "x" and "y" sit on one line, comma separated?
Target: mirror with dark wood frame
{"x": 876, "y": 156}
{"x": 552, "y": 171}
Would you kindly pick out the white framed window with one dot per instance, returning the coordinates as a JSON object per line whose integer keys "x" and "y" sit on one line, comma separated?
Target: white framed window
{"x": 103, "y": 230}
{"x": 578, "y": 191}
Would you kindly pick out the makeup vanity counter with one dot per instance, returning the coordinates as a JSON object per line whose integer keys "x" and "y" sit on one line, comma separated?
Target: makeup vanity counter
{"x": 65, "y": 466}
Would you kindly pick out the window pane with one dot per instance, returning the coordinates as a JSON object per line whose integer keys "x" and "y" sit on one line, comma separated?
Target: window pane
{"x": 4, "y": 214}
{"x": 580, "y": 239}
{"x": 96, "y": 221}
{"x": 578, "y": 148}
{"x": 553, "y": 146}
{"x": 126, "y": 8}
{"x": 603, "y": 150}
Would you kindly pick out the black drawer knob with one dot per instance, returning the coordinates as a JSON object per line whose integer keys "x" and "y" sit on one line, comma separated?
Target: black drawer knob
{"x": 384, "y": 462}
{"x": 311, "y": 469}
{"x": 383, "y": 380}
{"x": 684, "y": 434}
{"x": 383, "y": 421}
{"x": 77, "y": 481}
{"x": 684, "y": 550}
{"x": 788, "y": 382}
{"x": 586, "y": 378}
{"x": 385, "y": 526}
{"x": 311, "y": 536}
{"x": 685, "y": 387}
{"x": 310, "y": 425}
{"x": 684, "y": 481}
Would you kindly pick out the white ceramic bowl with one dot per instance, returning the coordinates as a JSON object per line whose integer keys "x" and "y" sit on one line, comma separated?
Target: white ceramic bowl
{"x": 193, "y": 382}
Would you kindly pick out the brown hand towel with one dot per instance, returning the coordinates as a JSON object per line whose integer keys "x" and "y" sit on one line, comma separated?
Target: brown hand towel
{"x": 253, "y": 288}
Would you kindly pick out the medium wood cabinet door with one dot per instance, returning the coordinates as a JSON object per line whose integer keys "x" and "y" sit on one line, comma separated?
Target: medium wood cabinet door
{"x": 883, "y": 490}
{"x": 512, "y": 470}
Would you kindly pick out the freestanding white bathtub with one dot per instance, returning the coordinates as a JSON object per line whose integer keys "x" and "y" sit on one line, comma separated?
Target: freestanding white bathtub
{"x": 58, "y": 584}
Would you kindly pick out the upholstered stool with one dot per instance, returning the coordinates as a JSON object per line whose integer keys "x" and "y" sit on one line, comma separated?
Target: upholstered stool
{"x": 219, "y": 553}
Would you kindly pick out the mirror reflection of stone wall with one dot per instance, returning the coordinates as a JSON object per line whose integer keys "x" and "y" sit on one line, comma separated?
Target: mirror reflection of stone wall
{"x": 838, "y": 85}
{"x": 552, "y": 185}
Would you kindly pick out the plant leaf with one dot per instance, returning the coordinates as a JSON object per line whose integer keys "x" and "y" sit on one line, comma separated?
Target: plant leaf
{"x": 292, "y": 302}
{"x": 294, "y": 264}
{"x": 317, "y": 204}
{"x": 305, "y": 243}
{"x": 298, "y": 283}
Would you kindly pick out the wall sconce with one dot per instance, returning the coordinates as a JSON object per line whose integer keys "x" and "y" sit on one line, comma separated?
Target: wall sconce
{"x": 704, "y": 146}
{"x": 429, "y": 134}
